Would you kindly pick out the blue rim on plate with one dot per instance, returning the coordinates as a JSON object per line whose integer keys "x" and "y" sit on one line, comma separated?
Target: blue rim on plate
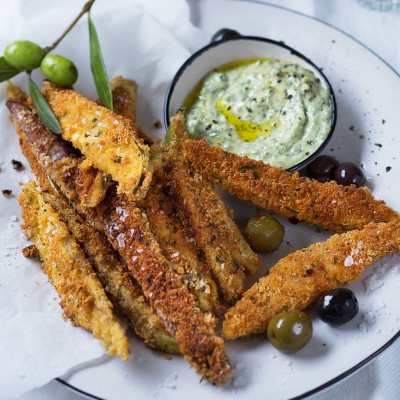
{"x": 379, "y": 351}
{"x": 293, "y": 51}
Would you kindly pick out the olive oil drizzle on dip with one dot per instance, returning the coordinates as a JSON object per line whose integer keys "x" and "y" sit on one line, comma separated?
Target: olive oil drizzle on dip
{"x": 267, "y": 109}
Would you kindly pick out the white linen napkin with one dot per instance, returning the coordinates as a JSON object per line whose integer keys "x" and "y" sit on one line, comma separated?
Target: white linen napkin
{"x": 36, "y": 344}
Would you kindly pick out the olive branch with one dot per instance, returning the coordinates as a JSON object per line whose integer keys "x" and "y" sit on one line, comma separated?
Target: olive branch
{"x": 97, "y": 66}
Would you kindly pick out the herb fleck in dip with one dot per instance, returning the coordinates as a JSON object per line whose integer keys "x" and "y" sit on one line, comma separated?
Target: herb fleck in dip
{"x": 269, "y": 110}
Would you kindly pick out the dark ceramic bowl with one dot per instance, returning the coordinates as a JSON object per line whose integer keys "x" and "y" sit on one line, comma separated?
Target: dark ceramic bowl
{"x": 230, "y": 47}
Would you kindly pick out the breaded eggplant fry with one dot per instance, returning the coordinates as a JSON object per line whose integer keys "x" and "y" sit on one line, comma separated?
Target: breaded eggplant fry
{"x": 299, "y": 279}
{"x": 207, "y": 218}
{"x": 127, "y": 227}
{"x": 15, "y": 92}
{"x": 128, "y": 230}
{"x": 65, "y": 174}
{"x": 179, "y": 247}
{"x": 93, "y": 184}
{"x": 122, "y": 290}
{"x": 239, "y": 248}
{"x": 193, "y": 203}
{"x": 89, "y": 184}
{"x": 124, "y": 93}
{"x": 82, "y": 296}
{"x": 329, "y": 205}
{"x": 124, "y": 293}
{"x": 108, "y": 140}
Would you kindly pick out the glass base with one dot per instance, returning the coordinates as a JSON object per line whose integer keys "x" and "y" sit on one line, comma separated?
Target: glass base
{"x": 381, "y": 5}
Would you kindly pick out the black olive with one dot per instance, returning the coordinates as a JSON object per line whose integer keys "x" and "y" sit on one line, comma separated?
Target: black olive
{"x": 322, "y": 166}
{"x": 348, "y": 173}
{"x": 224, "y": 34}
{"x": 337, "y": 307}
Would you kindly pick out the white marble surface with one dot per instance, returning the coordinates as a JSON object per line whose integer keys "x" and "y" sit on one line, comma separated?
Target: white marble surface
{"x": 379, "y": 31}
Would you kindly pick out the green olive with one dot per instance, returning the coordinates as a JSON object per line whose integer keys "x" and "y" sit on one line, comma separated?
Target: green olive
{"x": 264, "y": 234}
{"x": 23, "y": 55}
{"x": 59, "y": 70}
{"x": 290, "y": 331}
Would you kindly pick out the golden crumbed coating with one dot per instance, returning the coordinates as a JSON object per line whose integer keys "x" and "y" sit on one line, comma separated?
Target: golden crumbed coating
{"x": 207, "y": 219}
{"x": 91, "y": 184}
{"x": 299, "y": 279}
{"x": 124, "y": 293}
{"x": 177, "y": 308}
{"x": 30, "y": 251}
{"x": 82, "y": 296}
{"x": 15, "y": 92}
{"x": 128, "y": 228}
{"x": 329, "y": 205}
{"x": 124, "y": 93}
{"x": 239, "y": 248}
{"x": 178, "y": 247}
{"x": 122, "y": 290}
{"x": 107, "y": 139}
{"x": 194, "y": 197}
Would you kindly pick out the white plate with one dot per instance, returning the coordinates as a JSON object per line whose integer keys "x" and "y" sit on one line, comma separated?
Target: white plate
{"x": 367, "y": 92}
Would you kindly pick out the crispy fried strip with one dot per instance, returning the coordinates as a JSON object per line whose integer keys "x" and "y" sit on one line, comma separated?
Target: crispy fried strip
{"x": 178, "y": 246}
{"x": 90, "y": 184}
{"x": 207, "y": 218}
{"x": 193, "y": 210}
{"x": 239, "y": 248}
{"x": 299, "y": 279}
{"x": 128, "y": 229}
{"x": 82, "y": 296}
{"x": 108, "y": 140}
{"x": 93, "y": 184}
{"x": 66, "y": 174}
{"x": 329, "y": 205}
{"x": 124, "y": 93}
{"x": 122, "y": 290}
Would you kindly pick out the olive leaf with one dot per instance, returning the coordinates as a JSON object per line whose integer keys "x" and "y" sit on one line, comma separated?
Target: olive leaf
{"x": 98, "y": 68}
{"x": 43, "y": 109}
{"x": 7, "y": 71}
{"x": 168, "y": 136}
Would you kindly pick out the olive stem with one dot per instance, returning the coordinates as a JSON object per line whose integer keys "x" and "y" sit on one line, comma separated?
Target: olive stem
{"x": 85, "y": 9}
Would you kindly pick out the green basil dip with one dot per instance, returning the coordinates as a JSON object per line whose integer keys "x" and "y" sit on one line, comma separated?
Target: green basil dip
{"x": 267, "y": 109}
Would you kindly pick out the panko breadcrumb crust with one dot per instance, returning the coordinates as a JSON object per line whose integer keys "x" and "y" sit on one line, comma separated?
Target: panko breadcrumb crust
{"x": 207, "y": 218}
{"x": 82, "y": 296}
{"x": 128, "y": 228}
{"x": 179, "y": 246}
{"x": 123, "y": 291}
{"x": 297, "y": 280}
{"x": 162, "y": 288}
{"x": 328, "y": 205}
{"x": 108, "y": 140}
